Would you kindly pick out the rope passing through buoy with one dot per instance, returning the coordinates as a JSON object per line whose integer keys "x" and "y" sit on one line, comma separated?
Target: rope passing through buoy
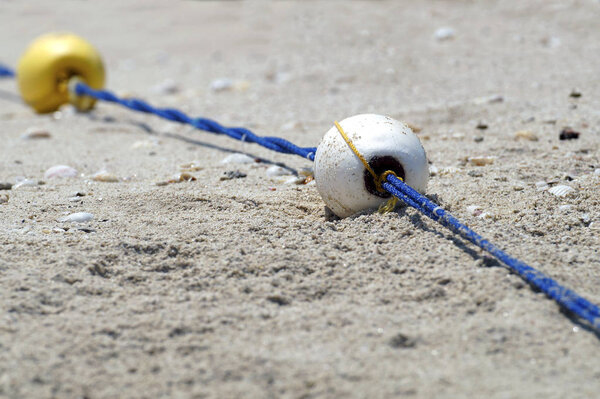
{"x": 50, "y": 78}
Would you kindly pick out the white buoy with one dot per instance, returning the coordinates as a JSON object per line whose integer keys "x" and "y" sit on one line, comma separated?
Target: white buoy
{"x": 386, "y": 144}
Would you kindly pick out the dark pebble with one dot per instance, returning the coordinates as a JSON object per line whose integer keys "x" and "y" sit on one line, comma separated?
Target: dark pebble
{"x": 5, "y": 186}
{"x": 402, "y": 341}
{"x": 568, "y": 134}
{"x": 233, "y": 174}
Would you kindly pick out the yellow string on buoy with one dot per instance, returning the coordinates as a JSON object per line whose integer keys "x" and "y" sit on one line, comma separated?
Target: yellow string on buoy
{"x": 390, "y": 204}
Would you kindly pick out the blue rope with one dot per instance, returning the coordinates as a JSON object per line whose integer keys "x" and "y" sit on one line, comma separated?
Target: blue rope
{"x": 6, "y": 72}
{"x": 565, "y": 297}
{"x": 238, "y": 133}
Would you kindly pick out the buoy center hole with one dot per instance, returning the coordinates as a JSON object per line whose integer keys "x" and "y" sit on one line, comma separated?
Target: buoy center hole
{"x": 380, "y": 165}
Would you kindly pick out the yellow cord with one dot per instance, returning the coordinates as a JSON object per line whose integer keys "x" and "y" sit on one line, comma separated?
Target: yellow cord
{"x": 390, "y": 204}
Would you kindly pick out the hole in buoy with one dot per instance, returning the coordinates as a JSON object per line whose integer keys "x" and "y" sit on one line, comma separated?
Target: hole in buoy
{"x": 380, "y": 165}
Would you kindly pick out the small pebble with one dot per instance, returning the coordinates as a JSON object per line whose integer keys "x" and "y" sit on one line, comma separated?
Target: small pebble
{"x": 561, "y": 190}
{"x": 478, "y": 139}
{"x": 568, "y": 134}
{"x": 225, "y": 84}
{"x": 444, "y": 33}
{"x": 4, "y": 198}
{"x": 79, "y": 217}
{"x": 526, "y": 134}
{"x": 5, "y": 186}
{"x": 551, "y": 42}
{"x": 541, "y": 185}
{"x": 105, "y": 176}
{"x": 575, "y": 93}
{"x": 597, "y": 172}
{"x": 232, "y": 174}
{"x": 481, "y": 125}
{"x": 496, "y": 98}
{"x": 168, "y": 86}
{"x": 594, "y": 226}
{"x": 275, "y": 170}
{"x": 237, "y": 158}
{"x": 565, "y": 208}
{"x": 146, "y": 143}
{"x": 481, "y": 161}
{"x": 60, "y": 171}
{"x": 35, "y": 133}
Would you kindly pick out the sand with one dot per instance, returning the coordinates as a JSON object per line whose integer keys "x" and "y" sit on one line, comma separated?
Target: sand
{"x": 245, "y": 287}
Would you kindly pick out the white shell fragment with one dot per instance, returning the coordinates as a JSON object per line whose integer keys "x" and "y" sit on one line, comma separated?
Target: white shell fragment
{"x": 22, "y": 182}
{"x": 79, "y": 217}
{"x": 561, "y": 190}
{"x": 444, "y": 33}
{"x": 275, "y": 170}
{"x": 60, "y": 171}
{"x": 341, "y": 178}
{"x": 237, "y": 158}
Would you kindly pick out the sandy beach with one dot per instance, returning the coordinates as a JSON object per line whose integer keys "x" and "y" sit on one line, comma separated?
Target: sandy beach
{"x": 238, "y": 283}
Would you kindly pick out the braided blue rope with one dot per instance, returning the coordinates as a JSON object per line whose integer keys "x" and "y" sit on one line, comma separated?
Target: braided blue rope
{"x": 238, "y": 133}
{"x": 565, "y": 297}
{"x": 6, "y": 72}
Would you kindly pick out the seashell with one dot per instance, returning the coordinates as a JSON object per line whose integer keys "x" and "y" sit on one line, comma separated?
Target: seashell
{"x": 105, "y": 176}
{"x": 61, "y": 171}
{"x": 22, "y": 182}
{"x": 561, "y": 190}
{"x": 541, "y": 185}
{"x": 526, "y": 134}
{"x": 193, "y": 166}
{"x": 444, "y": 33}
{"x": 481, "y": 161}
{"x": 184, "y": 176}
{"x": 79, "y": 217}
{"x": 34, "y": 133}
{"x": 237, "y": 158}
{"x": 178, "y": 178}
{"x": 294, "y": 180}
{"x": 275, "y": 170}
{"x": 474, "y": 210}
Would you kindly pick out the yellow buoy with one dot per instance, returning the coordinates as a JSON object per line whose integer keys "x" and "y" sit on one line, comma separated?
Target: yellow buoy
{"x": 44, "y": 71}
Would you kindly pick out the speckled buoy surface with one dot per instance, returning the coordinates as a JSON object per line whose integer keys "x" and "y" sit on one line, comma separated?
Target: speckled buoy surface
{"x": 387, "y": 144}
